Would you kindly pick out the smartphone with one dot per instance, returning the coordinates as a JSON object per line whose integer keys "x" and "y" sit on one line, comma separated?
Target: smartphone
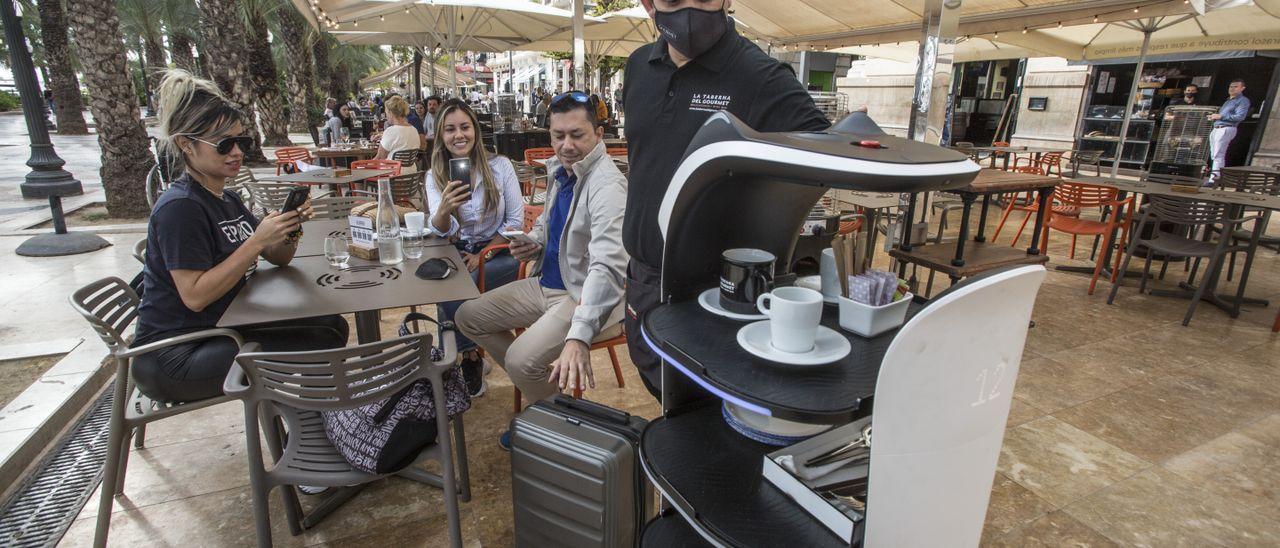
{"x": 517, "y": 236}
{"x": 460, "y": 170}
{"x": 297, "y": 196}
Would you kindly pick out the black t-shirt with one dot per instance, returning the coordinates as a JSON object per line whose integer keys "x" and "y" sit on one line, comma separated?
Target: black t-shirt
{"x": 190, "y": 229}
{"x": 666, "y": 106}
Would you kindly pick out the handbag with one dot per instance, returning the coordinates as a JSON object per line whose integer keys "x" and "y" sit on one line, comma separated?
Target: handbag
{"x": 386, "y": 436}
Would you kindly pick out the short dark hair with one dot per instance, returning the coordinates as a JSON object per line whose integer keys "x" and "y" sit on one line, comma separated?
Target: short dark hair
{"x": 1191, "y": 86}
{"x": 435, "y": 97}
{"x": 1234, "y": 80}
{"x": 569, "y": 104}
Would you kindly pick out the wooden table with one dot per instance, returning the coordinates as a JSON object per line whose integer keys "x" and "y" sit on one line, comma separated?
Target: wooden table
{"x": 1010, "y": 151}
{"x": 333, "y": 154}
{"x": 315, "y": 232}
{"x": 958, "y": 259}
{"x": 308, "y": 287}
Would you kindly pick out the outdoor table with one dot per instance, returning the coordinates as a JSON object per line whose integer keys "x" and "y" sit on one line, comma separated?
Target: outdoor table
{"x": 314, "y": 232}
{"x": 308, "y": 287}
{"x": 1238, "y": 200}
{"x": 332, "y": 154}
{"x": 871, "y": 204}
{"x": 326, "y": 177}
{"x": 959, "y": 260}
{"x": 1008, "y": 151}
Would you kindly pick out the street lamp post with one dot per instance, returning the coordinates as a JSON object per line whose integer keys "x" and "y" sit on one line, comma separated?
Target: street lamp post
{"x": 47, "y": 179}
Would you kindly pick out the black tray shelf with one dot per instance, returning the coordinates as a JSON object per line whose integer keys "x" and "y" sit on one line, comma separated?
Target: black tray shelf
{"x": 703, "y": 346}
{"x": 669, "y": 530}
{"x": 712, "y": 476}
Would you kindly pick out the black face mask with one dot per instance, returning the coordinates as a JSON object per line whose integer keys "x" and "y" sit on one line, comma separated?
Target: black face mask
{"x": 690, "y": 30}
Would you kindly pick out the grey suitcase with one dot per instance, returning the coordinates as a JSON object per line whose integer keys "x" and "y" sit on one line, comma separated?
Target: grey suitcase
{"x": 575, "y": 475}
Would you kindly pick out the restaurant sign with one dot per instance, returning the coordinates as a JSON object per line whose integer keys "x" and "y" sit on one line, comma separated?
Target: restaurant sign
{"x": 1203, "y": 43}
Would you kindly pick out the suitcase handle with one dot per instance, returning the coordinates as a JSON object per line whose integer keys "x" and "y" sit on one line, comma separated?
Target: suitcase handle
{"x": 594, "y": 409}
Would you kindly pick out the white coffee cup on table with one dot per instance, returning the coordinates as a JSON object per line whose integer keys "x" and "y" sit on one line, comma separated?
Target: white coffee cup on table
{"x": 794, "y": 314}
{"x": 829, "y": 274}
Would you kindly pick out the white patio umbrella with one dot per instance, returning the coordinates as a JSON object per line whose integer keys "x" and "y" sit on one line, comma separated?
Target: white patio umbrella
{"x": 620, "y": 33}
{"x": 453, "y": 25}
{"x": 430, "y": 71}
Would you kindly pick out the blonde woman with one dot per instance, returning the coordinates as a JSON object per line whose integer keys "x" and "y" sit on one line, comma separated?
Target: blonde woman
{"x": 202, "y": 243}
{"x": 472, "y": 215}
{"x": 399, "y": 134}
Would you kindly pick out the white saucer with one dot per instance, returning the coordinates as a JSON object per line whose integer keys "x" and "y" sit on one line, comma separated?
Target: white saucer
{"x": 815, "y": 283}
{"x": 774, "y": 426}
{"x": 710, "y": 300}
{"x": 828, "y": 347}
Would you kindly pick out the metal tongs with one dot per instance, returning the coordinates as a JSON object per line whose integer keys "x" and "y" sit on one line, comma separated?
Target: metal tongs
{"x": 859, "y": 447}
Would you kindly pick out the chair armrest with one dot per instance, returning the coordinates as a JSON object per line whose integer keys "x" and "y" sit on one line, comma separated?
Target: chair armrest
{"x": 181, "y": 339}
{"x": 364, "y": 192}
{"x": 449, "y": 338}
{"x": 1246, "y": 218}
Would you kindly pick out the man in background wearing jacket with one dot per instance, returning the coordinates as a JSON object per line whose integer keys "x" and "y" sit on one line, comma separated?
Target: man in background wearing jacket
{"x": 574, "y": 291}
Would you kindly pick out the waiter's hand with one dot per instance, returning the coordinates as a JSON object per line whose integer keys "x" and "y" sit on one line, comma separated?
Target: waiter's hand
{"x": 1215, "y": 117}
{"x": 572, "y": 370}
{"x": 524, "y": 251}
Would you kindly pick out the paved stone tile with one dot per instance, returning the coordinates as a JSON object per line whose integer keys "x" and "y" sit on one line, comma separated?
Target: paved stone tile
{"x": 1060, "y": 463}
{"x": 1052, "y": 530}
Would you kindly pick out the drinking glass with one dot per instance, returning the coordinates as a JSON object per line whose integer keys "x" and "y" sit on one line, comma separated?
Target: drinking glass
{"x": 346, "y": 135}
{"x": 412, "y": 243}
{"x": 336, "y": 251}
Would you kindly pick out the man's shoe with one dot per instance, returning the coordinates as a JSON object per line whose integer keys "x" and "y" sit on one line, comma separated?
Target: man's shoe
{"x": 504, "y": 441}
{"x": 473, "y": 375}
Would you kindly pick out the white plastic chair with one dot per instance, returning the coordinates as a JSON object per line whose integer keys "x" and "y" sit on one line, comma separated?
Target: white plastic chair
{"x": 942, "y": 400}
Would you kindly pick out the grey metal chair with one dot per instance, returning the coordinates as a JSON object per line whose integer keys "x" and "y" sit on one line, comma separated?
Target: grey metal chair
{"x": 404, "y": 190}
{"x": 334, "y": 207}
{"x": 283, "y": 395}
{"x": 406, "y": 157}
{"x": 1253, "y": 183}
{"x": 110, "y": 305}
{"x": 1085, "y": 158}
{"x": 268, "y": 196}
{"x": 1193, "y": 215}
{"x": 140, "y": 250}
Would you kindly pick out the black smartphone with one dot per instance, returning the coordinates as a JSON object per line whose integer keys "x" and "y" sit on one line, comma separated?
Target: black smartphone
{"x": 460, "y": 170}
{"x": 297, "y": 196}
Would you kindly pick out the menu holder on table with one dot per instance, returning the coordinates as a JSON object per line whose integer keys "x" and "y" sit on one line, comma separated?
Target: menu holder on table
{"x": 812, "y": 493}
{"x": 364, "y": 239}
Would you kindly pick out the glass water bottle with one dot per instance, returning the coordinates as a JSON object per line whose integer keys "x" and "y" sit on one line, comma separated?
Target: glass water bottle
{"x": 388, "y": 224}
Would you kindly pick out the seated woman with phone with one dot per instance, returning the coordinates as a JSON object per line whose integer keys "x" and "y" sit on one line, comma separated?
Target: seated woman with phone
{"x": 202, "y": 243}
{"x": 472, "y": 196}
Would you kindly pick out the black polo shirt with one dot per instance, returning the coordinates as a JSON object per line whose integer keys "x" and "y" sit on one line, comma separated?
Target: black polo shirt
{"x": 666, "y": 106}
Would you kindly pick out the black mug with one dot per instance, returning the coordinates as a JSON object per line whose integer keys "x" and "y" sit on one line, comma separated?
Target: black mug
{"x": 745, "y": 274}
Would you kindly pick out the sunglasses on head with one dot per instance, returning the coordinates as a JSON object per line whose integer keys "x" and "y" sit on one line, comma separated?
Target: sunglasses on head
{"x": 223, "y": 146}
{"x": 577, "y": 96}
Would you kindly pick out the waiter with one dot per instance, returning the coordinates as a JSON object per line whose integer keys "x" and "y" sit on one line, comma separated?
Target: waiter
{"x": 1225, "y": 121}
{"x": 700, "y": 65}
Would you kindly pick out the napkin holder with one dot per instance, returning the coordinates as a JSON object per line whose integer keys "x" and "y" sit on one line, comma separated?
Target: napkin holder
{"x": 844, "y": 521}
{"x": 363, "y": 231}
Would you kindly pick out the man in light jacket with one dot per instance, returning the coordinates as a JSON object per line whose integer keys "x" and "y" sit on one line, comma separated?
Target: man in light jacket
{"x": 574, "y": 291}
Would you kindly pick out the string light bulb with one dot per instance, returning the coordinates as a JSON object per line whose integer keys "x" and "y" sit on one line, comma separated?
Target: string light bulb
{"x": 997, "y": 35}
{"x": 1135, "y": 9}
{"x": 382, "y": 18}
{"x": 1095, "y": 19}
{"x": 1059, "y": 24}
{"x": 1024, "y": 30}
{"x": 355, "y": 23}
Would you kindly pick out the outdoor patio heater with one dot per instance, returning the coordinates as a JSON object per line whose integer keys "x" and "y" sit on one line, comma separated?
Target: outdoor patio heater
{"x": 1182, "y": 147}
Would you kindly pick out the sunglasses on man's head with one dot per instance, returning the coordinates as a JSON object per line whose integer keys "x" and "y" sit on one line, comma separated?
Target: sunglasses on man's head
{"x": 577, "y": 96}
{"x": 223, "y": 146}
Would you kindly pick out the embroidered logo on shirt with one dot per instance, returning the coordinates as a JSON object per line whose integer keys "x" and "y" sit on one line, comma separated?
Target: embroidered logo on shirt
{"x": 236, "y": 230}
{"x": 709, "y": 102}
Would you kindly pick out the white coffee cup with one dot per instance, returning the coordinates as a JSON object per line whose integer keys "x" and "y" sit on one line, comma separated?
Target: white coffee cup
{"x": 794, "y": 314}
{"x": 415, "y": 221}
{"x": 829, "y": 274}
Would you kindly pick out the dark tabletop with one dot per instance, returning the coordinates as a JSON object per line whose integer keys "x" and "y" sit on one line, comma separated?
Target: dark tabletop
{"x": 344, "y": 152}
{"x": 314, "y": 233}
{"x": 325, "y": 177}
{"x": 1254, "y": 169}
{"x": 308, "y": 287}
{"x": 1206, "y": 194}
{"x": 991, "y": 181}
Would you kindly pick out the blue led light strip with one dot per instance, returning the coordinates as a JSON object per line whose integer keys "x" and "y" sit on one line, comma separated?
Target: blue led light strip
{"x": 702, "y": 382}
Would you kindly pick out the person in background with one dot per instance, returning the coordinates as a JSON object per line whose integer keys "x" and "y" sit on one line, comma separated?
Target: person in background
{"x": 540, "y": 110}
{"x": 573, "y": 294}
{"x": 472, "y": 216}
{"x": 698, "y": 54}
{"x": 1225, "y": 122}
{"x": 202, "y": 244}
{"x": 433, "y": 106}
{"x": 617, "y": 101}
{"x": 602, "y": 111}
{"x": 399, "y": 134}
{"x": 337, "y": 122}
{"x": 329, "y": 105}
{"x": 1188, "y": 98}
{"x": 422, "y": 120}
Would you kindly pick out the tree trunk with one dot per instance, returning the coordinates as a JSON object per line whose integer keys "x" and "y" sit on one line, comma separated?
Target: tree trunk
{"x": 180, "y": 52}
{"x": 272, "y": 108}
{"x": 155, "y": 58}
{"x": 320, "y": 52}
{"x": 226, "y": 59}
{"x": 417, "y": 75}
{"x": 339, "y": 77}
{"x": 126, "y": 152}
{"x": 300, "y": 80}
{"x": 62, "y": 78}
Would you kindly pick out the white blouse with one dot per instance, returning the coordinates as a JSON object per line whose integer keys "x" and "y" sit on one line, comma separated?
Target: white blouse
{"x": 476, "y": 225}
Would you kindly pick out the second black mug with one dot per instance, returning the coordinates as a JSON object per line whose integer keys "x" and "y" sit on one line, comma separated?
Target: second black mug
{"x": 745, "y": 274}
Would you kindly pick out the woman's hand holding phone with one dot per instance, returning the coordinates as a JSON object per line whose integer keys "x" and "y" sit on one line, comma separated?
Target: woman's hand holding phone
{"x": 455, "y": 194}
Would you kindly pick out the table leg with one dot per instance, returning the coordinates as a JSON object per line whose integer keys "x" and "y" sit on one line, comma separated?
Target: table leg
{"x": 905, "y": 234}
{"x": 368, "y": 326}
{"x": 1254, "y": 238}
{"x": 1035, "y": 233}
{"x": 968, "y": 199}
{"x": 982, "y": 219}
{"x": 869, "y": 224}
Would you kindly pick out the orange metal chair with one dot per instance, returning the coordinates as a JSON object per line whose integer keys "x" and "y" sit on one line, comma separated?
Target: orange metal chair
{"x": 1047, "y": 164}
{"x": 287, "y": 158}
{"x": 616, "y": 151}
{"x": 393, "y": 165}
{"x": 997, "y": 155}
{"x": 1027, "y": 203}
{"x": 539, "y": 181}
{"x": 1079, "y": 196}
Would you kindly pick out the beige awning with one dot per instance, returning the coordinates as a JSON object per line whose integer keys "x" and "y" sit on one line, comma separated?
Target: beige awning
{"x": 442, "y": 75}
{"x": 621, "y": 33}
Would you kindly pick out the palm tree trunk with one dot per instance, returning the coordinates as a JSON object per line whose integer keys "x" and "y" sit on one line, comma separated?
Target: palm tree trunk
{"x": 320, "y": 52}
{"x": 155, "y": 57}
{"x": 300, "y": 81}
{"x": 62, "y": 78}
{"x": 126, "y": 153}
{"x": 226, "y": 59}
{"x": 272, "y": 108}
{"x": 180, "y": 52}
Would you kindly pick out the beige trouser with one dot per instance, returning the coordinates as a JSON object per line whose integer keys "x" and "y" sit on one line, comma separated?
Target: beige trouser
{"x": 546, "y": 314}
